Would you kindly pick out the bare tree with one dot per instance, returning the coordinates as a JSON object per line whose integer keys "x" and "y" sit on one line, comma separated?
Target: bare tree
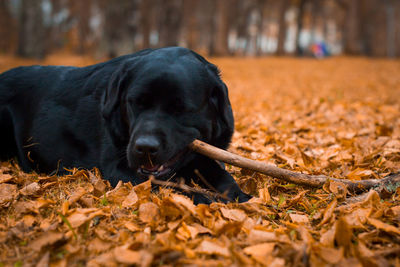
{"x": 352, "y": 30}
{"x": 145, "y": 22}
{"x": 300, "y": 19}
{"x": 170, "y": 22}
{"x": 121, "y": 23}
{"x": 7, "y": 28}
{"x": 31, "y": 31}
{"x": 283, "y": 6}
{"x": 219, "y": 45}
{"x": 190, "y": 32}
{"x": 81, "y": 11}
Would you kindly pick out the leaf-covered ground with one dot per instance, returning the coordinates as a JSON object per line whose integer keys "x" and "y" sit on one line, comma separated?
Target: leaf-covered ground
{"x": 339, "y": 117}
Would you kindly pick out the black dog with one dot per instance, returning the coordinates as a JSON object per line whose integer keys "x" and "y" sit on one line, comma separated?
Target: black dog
{"x": 131, "y": 117}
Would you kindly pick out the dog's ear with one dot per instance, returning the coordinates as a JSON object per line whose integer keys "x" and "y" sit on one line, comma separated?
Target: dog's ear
{"x": 113, "y": 107}
{"x": 223, "y": 129}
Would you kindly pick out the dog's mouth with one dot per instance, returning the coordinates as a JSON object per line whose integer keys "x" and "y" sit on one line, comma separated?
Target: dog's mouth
{"x": 161, "y": 170}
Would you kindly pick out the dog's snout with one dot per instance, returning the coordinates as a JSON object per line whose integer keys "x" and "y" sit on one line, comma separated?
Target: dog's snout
{"x": 147, "y": 145}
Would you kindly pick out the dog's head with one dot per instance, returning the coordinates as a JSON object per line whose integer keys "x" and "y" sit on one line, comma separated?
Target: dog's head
{"x": 159, "y": 102}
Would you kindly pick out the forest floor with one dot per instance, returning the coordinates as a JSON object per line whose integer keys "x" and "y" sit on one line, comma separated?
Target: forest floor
{"x": 339, "y": 117}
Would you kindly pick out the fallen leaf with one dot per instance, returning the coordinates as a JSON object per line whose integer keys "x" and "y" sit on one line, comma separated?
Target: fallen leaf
{"x": 76, "y": 195}
{"x": 329, "y": 255}
{"x": 81, "y": 216}
{"x": 30, "y": 189}
{"x": 299, "y": 218}
{"x": 149, "y": 212}
{"x": 212, "y": 248}
{"x": 260, "y": 250}
{"x": 328, "y": 212}
{"x": 234, "y": 214}
{"x": 343, "y": 234}
{"x": 259, "y": 236}
{"x": 130, "y": 199}
{"x": 46, "y": 239}
{"x": 7, "y": 193}
{"x": 4, "y": 178}
{"x": 384, "y": 226}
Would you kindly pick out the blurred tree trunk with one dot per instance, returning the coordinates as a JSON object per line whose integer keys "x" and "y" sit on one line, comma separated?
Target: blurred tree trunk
{"x": 390, "y": 28}
{"x": 145, "y": 22}
{"x": 81, "y": 10}
{"x": 121, "y": 23}
{"x": 353, "y": 31}
{"x": 219, "y": 45}
{"x": 283, "y": 6}
{"x": 397, "y": 28}
{"x": 316, "y": 6}
{"x": 300, "y": 18}
{"x": 241, "y": 11}
{"x": 171, "y": 21}
{"x": 7, "y": 28}
{"x": 32, "y": 33}
{"x": 375, "y": 22}
{"x": 205, "y": 20}
{"x": 190, "y": 26}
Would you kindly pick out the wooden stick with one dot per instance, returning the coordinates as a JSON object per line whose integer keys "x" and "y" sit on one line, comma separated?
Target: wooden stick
{"x": 286, "y": 175}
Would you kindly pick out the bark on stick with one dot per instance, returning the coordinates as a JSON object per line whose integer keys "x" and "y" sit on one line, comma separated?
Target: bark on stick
{"x": 316, "y": 181}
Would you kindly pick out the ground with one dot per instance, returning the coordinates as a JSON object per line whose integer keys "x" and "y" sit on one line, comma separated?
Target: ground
{"x": 339, "y": 117}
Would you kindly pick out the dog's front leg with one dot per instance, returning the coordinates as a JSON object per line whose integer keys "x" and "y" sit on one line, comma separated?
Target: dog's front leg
{"x": 212, "y": 175}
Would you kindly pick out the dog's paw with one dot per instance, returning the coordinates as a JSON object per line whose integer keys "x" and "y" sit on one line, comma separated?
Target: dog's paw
{"x": 239, "y": 196}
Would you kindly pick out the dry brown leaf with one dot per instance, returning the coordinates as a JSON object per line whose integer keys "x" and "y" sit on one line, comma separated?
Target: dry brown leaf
{"x": 130, "y": 199}
{"x": 118, "y": 194}
{"x": 28, "y": 220}
{"x": 343, "y": 234}
{"x": 7, "y": 193}
{"x": 132, "y": 226}
{"x": 328, "y": 237}
{"x": 328, "y": 212}
{"x": 260, "y": 250}
{"x": 359, "y": 174}
{"x": 46, "y": 239}
{"x": 105, "y": 259}
{"x": 186, "y": 232}
{"x": 44, "y": 260}
{"x": 234, "y": 214}
{"x": 124, "y": 255}
{"x": 32, "y": 205}
{"x": 97, "y": 245}
{"x": 212, "y": 248}
{"x": 143, "y": 189}
{"x": 299, "y": 218}
{"x": 30, "y": 189}
{"x": 149, "y": 212}
{"x": 264, "y": 195}
{"x": 76, "y": 195}
{"x": 185, "y": 202}
{"x": 329, "y": 254}
{"x": 81, "y": 216}
{"x": 4, "y": 178}
{"x": 384, "y": 226}
{"x": 98, "y": 184}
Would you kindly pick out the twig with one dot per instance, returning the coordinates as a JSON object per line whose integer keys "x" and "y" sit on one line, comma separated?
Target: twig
{"x": 187, "y": 188}
{"x": 289, "y": 176}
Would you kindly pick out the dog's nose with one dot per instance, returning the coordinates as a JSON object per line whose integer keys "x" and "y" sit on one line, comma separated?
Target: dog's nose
{"x": 147, "y": 145}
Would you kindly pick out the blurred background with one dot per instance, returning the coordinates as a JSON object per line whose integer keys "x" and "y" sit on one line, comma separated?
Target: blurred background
{"x": 105, "y": 28}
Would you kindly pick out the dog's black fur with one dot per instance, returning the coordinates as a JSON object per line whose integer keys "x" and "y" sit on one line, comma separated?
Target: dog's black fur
{"x": 128, "y": 116}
